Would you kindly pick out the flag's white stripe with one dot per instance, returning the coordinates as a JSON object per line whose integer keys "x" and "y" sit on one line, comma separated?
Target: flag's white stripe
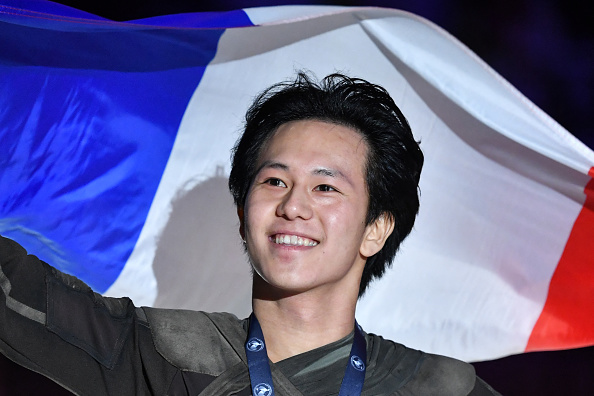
{"x": 447, "y": 63}
{"x": 466, "y": 79}
{"x": 291, "y": 13}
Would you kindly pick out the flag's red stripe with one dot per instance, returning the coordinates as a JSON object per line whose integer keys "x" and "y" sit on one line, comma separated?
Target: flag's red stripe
{"x": 567, "y": 319}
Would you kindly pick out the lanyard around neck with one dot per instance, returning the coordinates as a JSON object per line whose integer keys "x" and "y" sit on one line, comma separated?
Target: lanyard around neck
{"x": 261, "y": 377}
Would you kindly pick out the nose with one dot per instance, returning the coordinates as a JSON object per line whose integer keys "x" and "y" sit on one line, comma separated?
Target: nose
{"x": 295, "y": 204}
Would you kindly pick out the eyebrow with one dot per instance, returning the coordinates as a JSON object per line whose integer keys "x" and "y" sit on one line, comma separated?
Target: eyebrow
{"x": 329, "y": 172}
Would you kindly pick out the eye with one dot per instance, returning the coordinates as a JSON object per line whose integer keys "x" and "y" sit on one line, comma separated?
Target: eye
{"x": 275, "y": 182}
{"x": 325, "y": 188}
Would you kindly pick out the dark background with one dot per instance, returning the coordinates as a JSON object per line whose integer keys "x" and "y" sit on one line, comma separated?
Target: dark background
{"x": 543, "y": 47}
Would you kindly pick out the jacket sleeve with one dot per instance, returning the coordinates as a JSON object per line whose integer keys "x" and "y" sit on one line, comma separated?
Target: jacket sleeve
{"x": 54, "y": 324}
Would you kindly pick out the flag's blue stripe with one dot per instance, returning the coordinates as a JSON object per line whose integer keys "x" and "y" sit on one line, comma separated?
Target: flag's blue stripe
{"x": 53, "y": 16}
{"x": 225, "y": 19}
{"x": 87, "y": 122}
{"x": 124, "y": 50}
{"x": 38, "y": 7}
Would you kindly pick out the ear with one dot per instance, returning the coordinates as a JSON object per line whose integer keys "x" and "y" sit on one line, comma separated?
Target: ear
{"x": 376, "y": 234}
{"x": 241, "y": 222}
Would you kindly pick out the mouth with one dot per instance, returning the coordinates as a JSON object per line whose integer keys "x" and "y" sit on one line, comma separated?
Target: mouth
{"x": 292, "y": 240}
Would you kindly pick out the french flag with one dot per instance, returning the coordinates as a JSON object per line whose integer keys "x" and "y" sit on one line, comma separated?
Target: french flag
{"x": 114, "y": 157}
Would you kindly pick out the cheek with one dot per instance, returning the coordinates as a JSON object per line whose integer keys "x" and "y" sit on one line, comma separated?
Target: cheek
{"x": 256, "y": 211}
{"x": 345, "y": 221}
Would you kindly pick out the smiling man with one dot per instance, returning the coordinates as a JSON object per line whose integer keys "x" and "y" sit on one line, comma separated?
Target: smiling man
{"x": 306, "y": 236}
{"x": 325, "y": 179}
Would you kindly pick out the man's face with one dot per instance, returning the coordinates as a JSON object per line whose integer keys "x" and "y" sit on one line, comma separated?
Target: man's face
{"x": 304, "y": 217}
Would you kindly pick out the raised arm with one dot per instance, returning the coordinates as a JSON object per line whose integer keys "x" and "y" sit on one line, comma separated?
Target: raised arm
{"x": 56, "y": 325}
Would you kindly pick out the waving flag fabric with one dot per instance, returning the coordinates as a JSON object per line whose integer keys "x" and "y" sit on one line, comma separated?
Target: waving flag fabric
{"x": 115, "y": 139}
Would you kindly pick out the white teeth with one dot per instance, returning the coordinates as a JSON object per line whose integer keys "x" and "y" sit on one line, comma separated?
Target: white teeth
{"x": 294, "y": 240}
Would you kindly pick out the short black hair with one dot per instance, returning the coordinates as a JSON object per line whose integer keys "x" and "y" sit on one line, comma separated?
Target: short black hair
{"x": 394, "y": 159}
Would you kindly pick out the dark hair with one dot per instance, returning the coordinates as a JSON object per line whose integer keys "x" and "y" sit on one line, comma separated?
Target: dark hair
{"x": 394, "y": 159}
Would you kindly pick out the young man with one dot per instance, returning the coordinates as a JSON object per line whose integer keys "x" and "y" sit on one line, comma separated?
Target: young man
{"x": 325, "y": 181}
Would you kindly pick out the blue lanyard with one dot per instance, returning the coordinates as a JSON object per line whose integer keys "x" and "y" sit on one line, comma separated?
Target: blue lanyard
{"x": 259, "y": 369}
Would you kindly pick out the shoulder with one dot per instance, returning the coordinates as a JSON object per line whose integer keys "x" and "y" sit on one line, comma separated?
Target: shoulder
{"x": 183, "y": 320}
{"x": 414, "y": 372}
{"x": 197, "y": 341}
{"x": 443, "y": 375}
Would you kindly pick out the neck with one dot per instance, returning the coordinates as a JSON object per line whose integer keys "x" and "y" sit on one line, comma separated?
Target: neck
{"x": 297, "y": 323}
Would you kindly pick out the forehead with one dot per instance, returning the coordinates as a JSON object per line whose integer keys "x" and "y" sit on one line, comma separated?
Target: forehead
{"x": 314, "y": 141}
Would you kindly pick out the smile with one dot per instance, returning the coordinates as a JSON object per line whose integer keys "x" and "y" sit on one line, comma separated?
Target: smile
{"x": 292, "y": 240}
